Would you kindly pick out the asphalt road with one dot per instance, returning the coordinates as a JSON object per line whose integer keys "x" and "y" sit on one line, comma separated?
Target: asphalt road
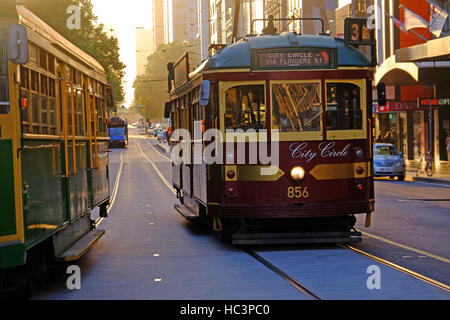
{"x": 150, "y": 252}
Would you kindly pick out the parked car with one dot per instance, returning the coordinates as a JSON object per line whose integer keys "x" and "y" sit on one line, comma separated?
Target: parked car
{"x": 156, "y": 131}
{"x": 162, "y": 136}
{"x": 387, "y": 161}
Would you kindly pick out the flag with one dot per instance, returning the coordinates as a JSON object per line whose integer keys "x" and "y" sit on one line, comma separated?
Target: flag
{"x": 413, "y": 20}
{"x": 438, "y": 16}
{"x": 398, "y": 23}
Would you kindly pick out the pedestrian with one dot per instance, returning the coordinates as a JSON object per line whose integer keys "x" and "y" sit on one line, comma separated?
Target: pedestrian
{"x": 388, "y": 138}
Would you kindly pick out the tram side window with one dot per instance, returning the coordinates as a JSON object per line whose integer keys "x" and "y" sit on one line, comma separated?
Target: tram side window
{"x": 245, "y": 107}
{"x": 296, "y": 107}
{"x": 343, "y": 107}
{"x": 4, "y": 94}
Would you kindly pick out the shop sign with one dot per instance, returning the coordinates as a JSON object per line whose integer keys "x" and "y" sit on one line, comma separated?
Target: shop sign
{"x": 434, "y": 102}
{"x": 397, "y": 106}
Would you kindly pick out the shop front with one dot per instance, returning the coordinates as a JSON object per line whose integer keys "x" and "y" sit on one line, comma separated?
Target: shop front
{"x": 402, "y": 124}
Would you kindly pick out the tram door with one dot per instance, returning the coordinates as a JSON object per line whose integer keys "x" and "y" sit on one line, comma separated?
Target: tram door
{"x": 9, "y": 161}
{"x": 187, "y": 168}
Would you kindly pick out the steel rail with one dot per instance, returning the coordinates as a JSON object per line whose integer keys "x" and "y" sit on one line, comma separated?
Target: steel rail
{"x": 284, "y": 275}
{"x": 398, "y": 267}
{"x": 114, "y": 193}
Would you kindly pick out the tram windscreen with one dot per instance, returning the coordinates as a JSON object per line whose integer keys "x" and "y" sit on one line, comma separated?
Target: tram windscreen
{"x": 117, "y": 133}
{"x": 343, "y": 107}
{"x": 385, "y": 151}
{"x": 4, "y": 94}
{"x": 296, "y": 107}
{"x": 245, "y": 107}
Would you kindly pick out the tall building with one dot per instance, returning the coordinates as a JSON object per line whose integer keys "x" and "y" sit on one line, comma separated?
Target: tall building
{"x": 203, "y": 27}
{"x": 158, "y": 22}
{"x": 144, "y": 48}
{"x": 181, "y": 23}
{"x": 180, "y": 20}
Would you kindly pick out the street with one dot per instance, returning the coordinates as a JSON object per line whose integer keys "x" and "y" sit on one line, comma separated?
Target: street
{"x": 150, "y": 252}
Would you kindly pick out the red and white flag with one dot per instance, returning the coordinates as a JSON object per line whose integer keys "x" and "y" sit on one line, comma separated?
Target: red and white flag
{"x": 398, "y": 23}
{"x": 413, "y": 20}
{"x": 438, "y": 16}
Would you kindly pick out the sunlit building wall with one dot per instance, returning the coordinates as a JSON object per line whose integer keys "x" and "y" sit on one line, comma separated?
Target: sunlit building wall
{"x": 144, "y": 48}
{"x": 158, "y": 22}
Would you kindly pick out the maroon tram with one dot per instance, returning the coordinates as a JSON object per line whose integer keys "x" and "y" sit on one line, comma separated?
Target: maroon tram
{"x": 312, "y": 95}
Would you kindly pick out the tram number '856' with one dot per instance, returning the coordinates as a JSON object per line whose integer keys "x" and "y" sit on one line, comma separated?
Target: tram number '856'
{"x": 297, "y": 192}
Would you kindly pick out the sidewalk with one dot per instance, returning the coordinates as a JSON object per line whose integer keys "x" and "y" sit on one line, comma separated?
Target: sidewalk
{"x": 441, "y": 175}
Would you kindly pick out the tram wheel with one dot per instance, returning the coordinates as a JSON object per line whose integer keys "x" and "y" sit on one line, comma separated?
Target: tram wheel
{"x": 228, "y": 227}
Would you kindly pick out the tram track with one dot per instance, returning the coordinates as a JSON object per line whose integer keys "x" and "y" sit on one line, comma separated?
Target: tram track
{"x": 302, "y": 288}
{"x": 114, "y": 192}
{"x": 397, "y": 267}
{"x": 295, "y": 283}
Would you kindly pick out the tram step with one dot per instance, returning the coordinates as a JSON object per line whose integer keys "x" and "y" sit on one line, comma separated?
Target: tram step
{"x": 189, "y": 212}
{"x": 79, "y": 248}
{"x": 302, "y": 237}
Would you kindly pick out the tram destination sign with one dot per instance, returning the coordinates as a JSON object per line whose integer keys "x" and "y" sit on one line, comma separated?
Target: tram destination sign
{"x": 294, "y": 59}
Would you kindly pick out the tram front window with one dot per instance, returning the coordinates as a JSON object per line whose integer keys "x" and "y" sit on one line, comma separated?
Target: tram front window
{"x": 343, "y": 107}
{"x": 245, "y": 107}
{"x": 296, "y": 107}
{"x": 4, "y": 95}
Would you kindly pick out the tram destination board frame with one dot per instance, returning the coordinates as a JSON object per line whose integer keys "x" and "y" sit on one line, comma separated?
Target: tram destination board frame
{"x": 294, "y": 58}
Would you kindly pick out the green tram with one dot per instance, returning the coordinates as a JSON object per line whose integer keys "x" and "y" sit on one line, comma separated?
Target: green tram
{"x": 53, "y": 148}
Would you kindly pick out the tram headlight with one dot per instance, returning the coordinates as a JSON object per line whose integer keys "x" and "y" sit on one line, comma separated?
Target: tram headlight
{"x": 297, "y": 173}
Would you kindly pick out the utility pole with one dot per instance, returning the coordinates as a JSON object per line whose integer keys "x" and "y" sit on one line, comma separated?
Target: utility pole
{"x": 237, "y": 9}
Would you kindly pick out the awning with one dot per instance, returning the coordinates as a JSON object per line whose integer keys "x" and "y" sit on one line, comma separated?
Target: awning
{"x": 433, "y": 50}
{"x": 393, "y": 73}
{"x": 424, "y": 64}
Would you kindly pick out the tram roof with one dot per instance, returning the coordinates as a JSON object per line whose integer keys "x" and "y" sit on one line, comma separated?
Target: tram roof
{"x": 239, "y": 55}
{"x": 34, "y": 22}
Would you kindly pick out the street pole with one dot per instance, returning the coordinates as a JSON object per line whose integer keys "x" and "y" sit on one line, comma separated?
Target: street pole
{"x": 237, "y": 8}
{"x": 431, "y": 129}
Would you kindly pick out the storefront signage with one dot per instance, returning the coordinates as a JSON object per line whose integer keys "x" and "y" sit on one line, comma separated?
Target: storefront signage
{"x": 398, "y": 106}
{"x": 293, "y": 59}
{"x": 434, "y": 102}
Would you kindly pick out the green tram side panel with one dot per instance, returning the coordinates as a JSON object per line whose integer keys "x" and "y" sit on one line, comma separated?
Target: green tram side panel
{"x": 78, "y": 189}
{"x": 8, "y": 209}
{"x": 99, "y": 177}
{"x": 239, "y": 55}
{"x": 44, "y": 202}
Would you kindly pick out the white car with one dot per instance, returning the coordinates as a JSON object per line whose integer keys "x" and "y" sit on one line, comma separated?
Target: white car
{"x": 387, "y": 161}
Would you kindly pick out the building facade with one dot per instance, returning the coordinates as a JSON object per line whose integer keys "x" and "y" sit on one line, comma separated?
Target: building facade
{"x": 144, "y": 48}
{"x": 412, "y": 72}
{"x": 158, "y": 22}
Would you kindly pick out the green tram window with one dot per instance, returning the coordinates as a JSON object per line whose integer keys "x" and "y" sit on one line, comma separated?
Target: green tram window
{"x": 4, "y": 88}
{"x": 245, "y": 107}
{"x": 343, "y": 107}
{"x": 296, "y": 106}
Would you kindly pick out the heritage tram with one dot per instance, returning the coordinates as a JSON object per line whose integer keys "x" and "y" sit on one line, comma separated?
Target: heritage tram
{"x": 53, "y": 146}
{"x": 118, "y": 132}
{"x": 310, "y": 93}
